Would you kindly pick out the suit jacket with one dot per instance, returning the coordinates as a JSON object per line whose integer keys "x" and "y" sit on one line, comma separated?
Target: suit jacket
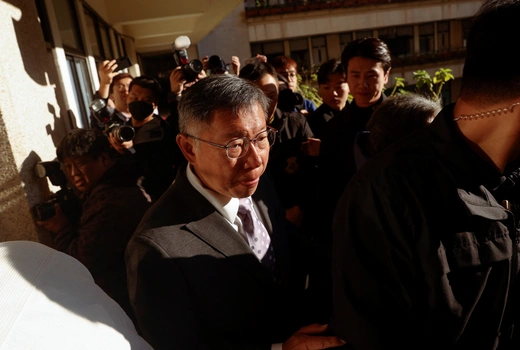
{"x": 194, "y": 282}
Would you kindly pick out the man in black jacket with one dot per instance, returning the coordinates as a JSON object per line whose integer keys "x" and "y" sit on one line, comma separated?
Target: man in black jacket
{"x": 199, "y": 276}
{"x": 112, "y": 206}
{"x": 153, "y": 148}
{"x": 425, "y": 239}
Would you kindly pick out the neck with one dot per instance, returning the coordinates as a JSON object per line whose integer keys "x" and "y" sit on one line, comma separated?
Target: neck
{"x": 491, "y": 130}
{"x": 122, "y": 107}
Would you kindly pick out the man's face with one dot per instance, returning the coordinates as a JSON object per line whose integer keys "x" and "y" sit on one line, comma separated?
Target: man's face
{"x": 366, "y": 80}
{"x": 269, "y": 86}
{"x": 119, "y": 93}
{"x": 335, "y": 92}
{"x": 139, "y": 93}
{"x": 84, "y": 172}
{"x": 291, "y": 75}
{"x": 237, "y": 178}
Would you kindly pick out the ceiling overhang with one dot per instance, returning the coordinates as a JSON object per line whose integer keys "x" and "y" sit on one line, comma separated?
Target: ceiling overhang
{"x": 155, "y": 24}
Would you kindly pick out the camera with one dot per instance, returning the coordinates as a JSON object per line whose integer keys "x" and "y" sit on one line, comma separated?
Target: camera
{"x": 65, "y": 197}
{"x": 190, "y": 69}
{"x": 288, "y": 100}
{"x": 101, "y": 112}
{"x": 216, "y": 65}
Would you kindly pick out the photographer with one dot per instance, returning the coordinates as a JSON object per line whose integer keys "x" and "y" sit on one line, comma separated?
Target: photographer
{"x": 288, "y": 68}
{"x": 291, "y": 166}
{"x": 113, "y": 89}
{"x": 153, "y": 150}
{"x": 112, "y": 206}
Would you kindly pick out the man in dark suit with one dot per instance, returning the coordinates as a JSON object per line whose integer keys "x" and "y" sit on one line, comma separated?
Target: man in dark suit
{"x": 202, "y": 274}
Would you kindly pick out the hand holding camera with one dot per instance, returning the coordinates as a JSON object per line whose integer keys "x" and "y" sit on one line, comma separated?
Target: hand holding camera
{"x": 104, "y": 116}
{"x": 56, "y": 222}
{"x": 190, "y": 69}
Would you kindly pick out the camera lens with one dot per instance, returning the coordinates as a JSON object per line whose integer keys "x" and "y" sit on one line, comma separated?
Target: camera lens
{"x": 196, "y": 66}
{"x": 124, "y": 133}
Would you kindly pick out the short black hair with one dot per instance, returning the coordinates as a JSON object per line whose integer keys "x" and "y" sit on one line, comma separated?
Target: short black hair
{"x": 84, "y": 142}
{"x": 372, "y": 48}
{"x": 150, "y": 83}
{"x": 491, "y": 69}
{"x": 256, "y": 69}
{"x": 330, "y": 67}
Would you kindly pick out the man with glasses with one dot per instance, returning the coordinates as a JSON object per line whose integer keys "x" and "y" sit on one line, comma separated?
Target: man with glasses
{"x": 112, "y": 206}
{"x": 113, "y": 88}
{"x": 209, "y": 265}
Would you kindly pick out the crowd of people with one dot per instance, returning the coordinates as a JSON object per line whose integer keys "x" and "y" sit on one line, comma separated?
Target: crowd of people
{"x": 237, "y": 222}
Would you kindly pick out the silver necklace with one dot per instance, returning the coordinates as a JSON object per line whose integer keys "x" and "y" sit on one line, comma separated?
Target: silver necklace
{"x": 488, "y": 113}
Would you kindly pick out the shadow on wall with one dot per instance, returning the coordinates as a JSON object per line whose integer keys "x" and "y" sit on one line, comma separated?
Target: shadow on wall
{"x": 38, "y": 63}
{"x": 20, "y": 189}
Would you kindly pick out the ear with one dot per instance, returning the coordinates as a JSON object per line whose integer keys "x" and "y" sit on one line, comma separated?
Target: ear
{"x": 387, "y": 74}
{"x": 106, "y": 160}
{"x": 188, "y": 147}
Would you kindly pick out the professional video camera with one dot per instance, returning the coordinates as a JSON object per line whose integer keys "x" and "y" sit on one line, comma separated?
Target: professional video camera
{"x": 103, "y": 115}
{"x": 288, "y": 100}
{"x": 190, "y": 69}
{"x": 65, "y": 197}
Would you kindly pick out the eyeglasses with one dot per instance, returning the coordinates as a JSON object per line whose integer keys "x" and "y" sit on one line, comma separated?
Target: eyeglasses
{"x": 238, "y": 147}
{"x": 288, "y": 75}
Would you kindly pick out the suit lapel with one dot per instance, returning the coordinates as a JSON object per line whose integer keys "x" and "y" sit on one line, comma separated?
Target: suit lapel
{"x": 215, "y": 231}
{"x": 211, "y": 227}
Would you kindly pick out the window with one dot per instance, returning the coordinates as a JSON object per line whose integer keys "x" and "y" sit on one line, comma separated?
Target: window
{"x": 344, "y": 39}
{"x": 426, "y": 38}
{"x": 92, "y": 35}
{"x": 99, "y": 38}
{"x": 43, "y": 18}
{"x": 398, "y": 39}
{"x": 68, "y": 24}
{"x": 300, "y": 52}
{"x": 364, "y": 34}
{"x": 80, "y": 81}
{"x": 443, "y": 35}
{"x": 105, "y": 40}
{"x": 319, "y": 50}
{"x": 466, "y": 24}
{"x": 270, "y": 49}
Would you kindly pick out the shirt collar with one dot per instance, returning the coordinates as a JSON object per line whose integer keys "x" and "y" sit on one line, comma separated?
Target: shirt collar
{"x": 227, "y": 207}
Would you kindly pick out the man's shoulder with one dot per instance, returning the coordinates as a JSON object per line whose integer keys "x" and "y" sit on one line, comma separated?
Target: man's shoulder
{"x": 410, "y": 160}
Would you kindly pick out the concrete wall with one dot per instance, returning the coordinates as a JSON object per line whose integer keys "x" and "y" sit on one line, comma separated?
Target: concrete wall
{"x": 30, "y": 118}
{"x": 229, "y": 38}
{"x": 345, "y": 20}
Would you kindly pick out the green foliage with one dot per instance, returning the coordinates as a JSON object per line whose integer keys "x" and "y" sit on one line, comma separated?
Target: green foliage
{"x": 399, "y": 86}
{"x": 425, "y": 84}
{"x": 307, "y": 89}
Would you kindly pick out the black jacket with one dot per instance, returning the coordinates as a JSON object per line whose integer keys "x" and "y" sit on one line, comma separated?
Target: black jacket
{"x": 424, "y": 254}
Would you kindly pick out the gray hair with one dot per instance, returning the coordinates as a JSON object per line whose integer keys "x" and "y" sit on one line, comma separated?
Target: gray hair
{"x": 223, "y": 93}
{"x": 398, "y": 116}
